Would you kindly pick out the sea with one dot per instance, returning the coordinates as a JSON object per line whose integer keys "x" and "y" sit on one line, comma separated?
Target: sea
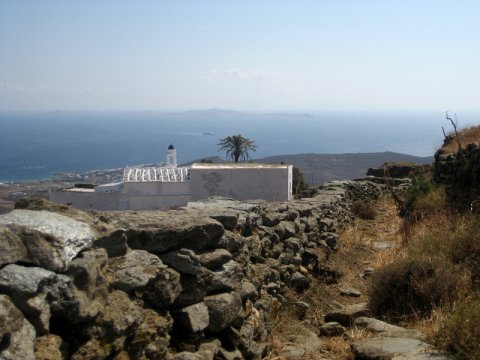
{"x": 38, "y": 145}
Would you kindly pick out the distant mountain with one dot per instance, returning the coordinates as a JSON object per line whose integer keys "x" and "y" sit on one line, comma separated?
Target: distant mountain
{"x": 319, "y": 168}
{"x": 222, "y": 113}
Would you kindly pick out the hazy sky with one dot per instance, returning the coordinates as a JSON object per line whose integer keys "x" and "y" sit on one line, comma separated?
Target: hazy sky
{"x": 257, "y": 55}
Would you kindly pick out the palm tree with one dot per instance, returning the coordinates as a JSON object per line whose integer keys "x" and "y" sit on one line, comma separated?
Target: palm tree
{"x": 237, "y": 147}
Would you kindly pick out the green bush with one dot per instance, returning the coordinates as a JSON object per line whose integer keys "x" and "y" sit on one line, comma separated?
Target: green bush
{"x": 459, "y": 332}
{"x": 363, "y": 210}
{"x": 413, "y": 286}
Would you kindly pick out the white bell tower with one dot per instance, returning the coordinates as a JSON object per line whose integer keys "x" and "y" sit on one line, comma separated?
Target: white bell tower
{"x": 171, "y": 157}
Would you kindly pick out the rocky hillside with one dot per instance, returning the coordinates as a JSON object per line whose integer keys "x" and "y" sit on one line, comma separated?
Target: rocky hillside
{"x": 459, "y": 171}
{"x": 195, "y": 283}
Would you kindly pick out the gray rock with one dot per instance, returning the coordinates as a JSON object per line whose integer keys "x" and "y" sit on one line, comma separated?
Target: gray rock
{"x": 192, "y": 318}
{"x": 194, "y": 289}
{"x": 222, "y": 310}
{"x": 134, "y": 270}
{"x": 232, "y": 242}
{"x": 145, "y": 275}
{"x": 272, "y": 219}
{"x": 332, "y": 329}
{"x": 11, "y": 319}
{"x": 12, "y": 249}
{"x": 160, "y": 232}
{"x": 257, "y": 351}
{"x": 209, "y": 350}
{"x": 41, "y": 293}
{"x": 229, "y": 355}
{"x": 185, "y": 261}
{"x": 347, "y": 314}
{"x": 394, "y": 348}
{"x": 384, "y": 329}
{"x": 21, "y": 345}
{"x": 248, "y": 291}
{"x": 350, "y": 292}
{"x": 87, "y": 287}
{"x": 299, "y": 282}
{"x": 215, "y": 258}
{"x": 22, "y": 282}
{"x": 293, "y": 244}
{"x": 52, "y": 240}
{"x": 25, "y": 286}
{"x": 226, "y": 278}
{"x": 288, "y": 229}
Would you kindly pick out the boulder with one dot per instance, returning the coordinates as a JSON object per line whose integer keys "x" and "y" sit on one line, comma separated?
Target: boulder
{"x": 85, "y": 287}
{"x": 192, "y": 318}
{"x": 11, "y": 319}
{"x": 194, "y": 289}
{"x": 26, "y": 288}
{"x": 214, "y": 259}
{"x": 226, "y": 278}
{"x": 332, "y": 329}
{"x": 21, "y": 344}
{"x": 143, "y": 274}
{"x": 185, "y": 261}
{"x": 232, "y": 242}
{"x": 347, "y": 314}
{"x": 394, "y": 347}
{"x": 222, "y": 310}
{"x": 52, "y": 240}
{"x": 248, "y": 291}
{"x": 299, "y": 282}
{"x": 382, "y": 328}
{"x": 160, "y": 232}
{"x": 12, "y": 249}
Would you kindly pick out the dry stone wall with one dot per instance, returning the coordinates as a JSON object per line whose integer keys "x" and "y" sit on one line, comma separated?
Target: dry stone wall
{"x": 193, "y": 283}
{"x": 460, "y": 173}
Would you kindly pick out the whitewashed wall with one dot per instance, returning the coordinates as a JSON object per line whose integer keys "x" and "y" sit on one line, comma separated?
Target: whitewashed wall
{"x": 241, "y": 182}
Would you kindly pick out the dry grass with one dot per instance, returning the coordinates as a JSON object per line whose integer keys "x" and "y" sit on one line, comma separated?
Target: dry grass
{"x": 356, "y": 252}
{"x": 467, "y": 136}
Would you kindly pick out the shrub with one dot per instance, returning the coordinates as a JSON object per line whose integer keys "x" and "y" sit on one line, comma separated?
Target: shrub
{"x": 363, "y": 210}
{"x": 465, "y": 247}
{"x": 413, "y": 286}
{"x": 459, "y": 332}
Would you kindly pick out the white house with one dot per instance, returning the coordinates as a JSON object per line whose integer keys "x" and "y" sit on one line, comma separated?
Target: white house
{"x": 148, "y": 188}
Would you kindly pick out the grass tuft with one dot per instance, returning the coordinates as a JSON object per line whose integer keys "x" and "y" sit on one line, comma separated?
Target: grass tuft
{"x": 364, "y": 210}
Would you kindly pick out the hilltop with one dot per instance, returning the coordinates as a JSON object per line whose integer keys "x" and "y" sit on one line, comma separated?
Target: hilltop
{"x": 320, "y": 168}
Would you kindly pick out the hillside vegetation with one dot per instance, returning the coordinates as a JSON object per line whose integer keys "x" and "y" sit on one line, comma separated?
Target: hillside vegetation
{"x": 434, "y": 280}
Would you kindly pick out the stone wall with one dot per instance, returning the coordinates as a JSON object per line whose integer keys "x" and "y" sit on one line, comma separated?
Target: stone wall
{"x": 195, "y": 283}
{"x": 460, "y": 173}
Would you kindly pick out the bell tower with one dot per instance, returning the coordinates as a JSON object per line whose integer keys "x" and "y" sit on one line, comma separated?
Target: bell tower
{"x": 171, "y": 157}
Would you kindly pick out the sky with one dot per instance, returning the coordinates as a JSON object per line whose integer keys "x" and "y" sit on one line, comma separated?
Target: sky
{"x": 253, "y": 55}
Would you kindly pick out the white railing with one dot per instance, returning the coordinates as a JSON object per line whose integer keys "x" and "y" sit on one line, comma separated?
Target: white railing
{"x": 149, "y": 174}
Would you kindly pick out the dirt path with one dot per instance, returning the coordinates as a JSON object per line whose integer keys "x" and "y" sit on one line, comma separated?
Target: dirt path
{"x": 365, "y": 246}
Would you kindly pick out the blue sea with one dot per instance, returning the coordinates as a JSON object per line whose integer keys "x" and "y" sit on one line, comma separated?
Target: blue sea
{"x": 36, "y": 145}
